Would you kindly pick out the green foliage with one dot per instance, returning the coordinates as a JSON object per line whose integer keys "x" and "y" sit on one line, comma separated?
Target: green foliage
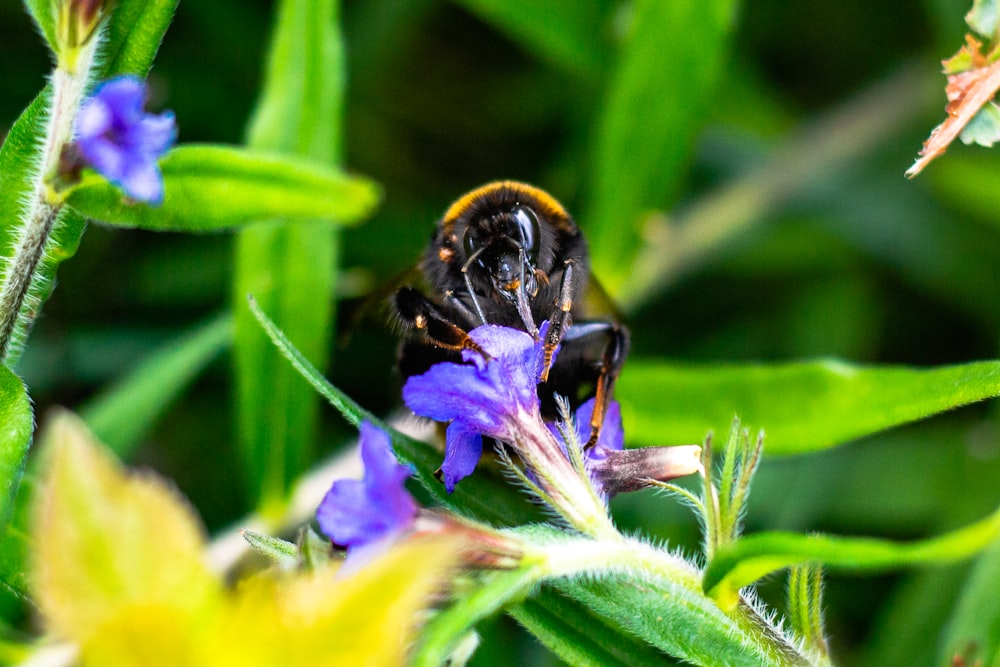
{"x": 774, "y": 237}
{"x": 667, "y": 70}
{"x": 806, "y": 406}
{"x": 18, "y": 421}
{"x": 290, "y": 271}
{"x": 755, "y": 556}
{"x": 974, "y": 628}
{"x": 571, "y": 35}
{"x": 215, "y": 188}
{"x": 125, "y": 412}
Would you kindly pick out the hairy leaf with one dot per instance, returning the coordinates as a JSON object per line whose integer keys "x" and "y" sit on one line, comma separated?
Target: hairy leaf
{"x": 802, "y": 406}
{"x": 211, "y": 188}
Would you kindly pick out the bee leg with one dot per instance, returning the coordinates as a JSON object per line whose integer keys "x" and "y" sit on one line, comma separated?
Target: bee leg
{"x": 592, "y": 354}
{"x": 560, "y": 320}
{"x": 423, "y": 314}
{"x": 612, "y": 359}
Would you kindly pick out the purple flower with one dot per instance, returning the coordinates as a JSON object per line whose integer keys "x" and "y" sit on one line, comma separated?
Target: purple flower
{"x": 121, "y": 141}
{"x": 367, "y": 515}
{"x": 488, "y": 397}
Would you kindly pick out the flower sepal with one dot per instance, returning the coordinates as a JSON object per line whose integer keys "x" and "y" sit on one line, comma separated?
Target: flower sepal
{"x": 77, "y": 24}
{"x": 624, "y": 470}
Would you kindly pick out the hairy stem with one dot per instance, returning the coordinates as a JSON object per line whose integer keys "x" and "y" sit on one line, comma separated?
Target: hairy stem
{"x": 44, "y": 205}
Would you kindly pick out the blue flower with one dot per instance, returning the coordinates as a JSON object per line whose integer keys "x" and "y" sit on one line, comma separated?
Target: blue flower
{"x": 490, "y": 397}
{"x": 121, "y": 141}
{"x": 367, "y": 515}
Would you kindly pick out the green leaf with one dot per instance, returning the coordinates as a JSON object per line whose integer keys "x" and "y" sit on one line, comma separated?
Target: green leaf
{"x": 135, "y": 31}
{"x": 802, "y": 406}
{"x": 44, "y": 13}
{"x": 18, "y": 157}
{"x": 984, "y": 128}
{"x": 567, "y": 33}
{"x": 678, "y": 621}
{"x": 279, "y": 551}
{"x": 580, "y": 637}
{"x": 984, "y": 18}
{"x": 14, "y": 545}
{"x": 123, "y": 413}
{"x": 17, "y": 423}
{"x": 656, "y": 104}
{"x": 289, "y": 270}
{"x": 743, "y": 562}
{"x": 975, "y": 622}
{"x": 210, "y": 188}
{"x": 344, "y": 404}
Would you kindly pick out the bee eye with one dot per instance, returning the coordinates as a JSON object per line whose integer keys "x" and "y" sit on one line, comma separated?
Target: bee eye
{"x": 527, "y": 223}
{"x": 469, "y": 243}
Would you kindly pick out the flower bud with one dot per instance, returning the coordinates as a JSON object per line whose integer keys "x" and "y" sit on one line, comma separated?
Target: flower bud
{"x": 619, "y": 471}
{"x": 78, "y": 22}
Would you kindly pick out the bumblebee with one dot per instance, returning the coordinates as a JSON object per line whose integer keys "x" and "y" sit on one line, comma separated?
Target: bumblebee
{"x": 508, "y": 253}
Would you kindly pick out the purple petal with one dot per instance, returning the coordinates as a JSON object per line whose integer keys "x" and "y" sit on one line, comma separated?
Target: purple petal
{"x": 142, "y": 181}
{"x": 450, "y": 391}
{"x": 94, "y": 119}
{"x": 122, "y": 142}
{"x": 156, "y": 133}
{"x": 343, "y": 515}
{"x": 462, "y": 451}
{"x": 358, "y": 512}
{"x": 612, "y": 436}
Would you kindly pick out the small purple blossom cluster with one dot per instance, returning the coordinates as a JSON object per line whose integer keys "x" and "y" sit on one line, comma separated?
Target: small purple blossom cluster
{"x": 491, "y": 396}
{"x": 122, "y": 142}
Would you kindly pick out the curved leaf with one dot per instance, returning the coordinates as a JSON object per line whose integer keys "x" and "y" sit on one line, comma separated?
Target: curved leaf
{"x": 135, "y": 31}
{"x": 748, "y": 559}
{"x": 656, "y": 104}
{"x": 802, "y": 406}
{"x": 211, "y": 188}
{"x": 123, "y": 413}
{"x": 565, "y": 32}
{"x": 975, "y": 621}
{"x": 580, "y": 637}
{"x": 291, "y": 270}
{"x": 16, "y": 427}
{"x": 44, "y": 13}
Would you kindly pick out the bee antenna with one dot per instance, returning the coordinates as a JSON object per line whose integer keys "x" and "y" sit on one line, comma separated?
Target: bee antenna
{"x": 468, "y": 284}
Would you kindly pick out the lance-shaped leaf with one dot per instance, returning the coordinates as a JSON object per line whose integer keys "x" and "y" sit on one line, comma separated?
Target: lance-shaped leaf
{"x": 16, "y": 427}
{"x": 974, "y": 627}
{"x": 666, "y": 74}
{"x": 291, "y": 270}
{"x": 750, "y": 558}
{"x": 566, "y": 33}
{"x": 803, "y": 406}
{"x": 222, "y": 187}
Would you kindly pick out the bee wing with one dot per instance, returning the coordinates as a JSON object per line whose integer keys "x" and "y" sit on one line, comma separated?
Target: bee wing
{"x": 376, "y": 307}
{"x": 597, "y": 304}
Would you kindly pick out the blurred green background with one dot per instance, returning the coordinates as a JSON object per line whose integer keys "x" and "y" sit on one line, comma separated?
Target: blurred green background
{"x": 819, "y": 247}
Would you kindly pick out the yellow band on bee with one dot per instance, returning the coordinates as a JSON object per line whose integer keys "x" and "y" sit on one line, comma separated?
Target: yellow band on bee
{"x": 551, "y": 208}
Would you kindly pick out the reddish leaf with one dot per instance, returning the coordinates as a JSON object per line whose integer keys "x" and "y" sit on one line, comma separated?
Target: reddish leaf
{"x": 973, "y": 80}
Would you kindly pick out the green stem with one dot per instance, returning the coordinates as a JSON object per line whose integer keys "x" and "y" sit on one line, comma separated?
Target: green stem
{"x": 17, "y": 311}
{"x": 569, "y": 491}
